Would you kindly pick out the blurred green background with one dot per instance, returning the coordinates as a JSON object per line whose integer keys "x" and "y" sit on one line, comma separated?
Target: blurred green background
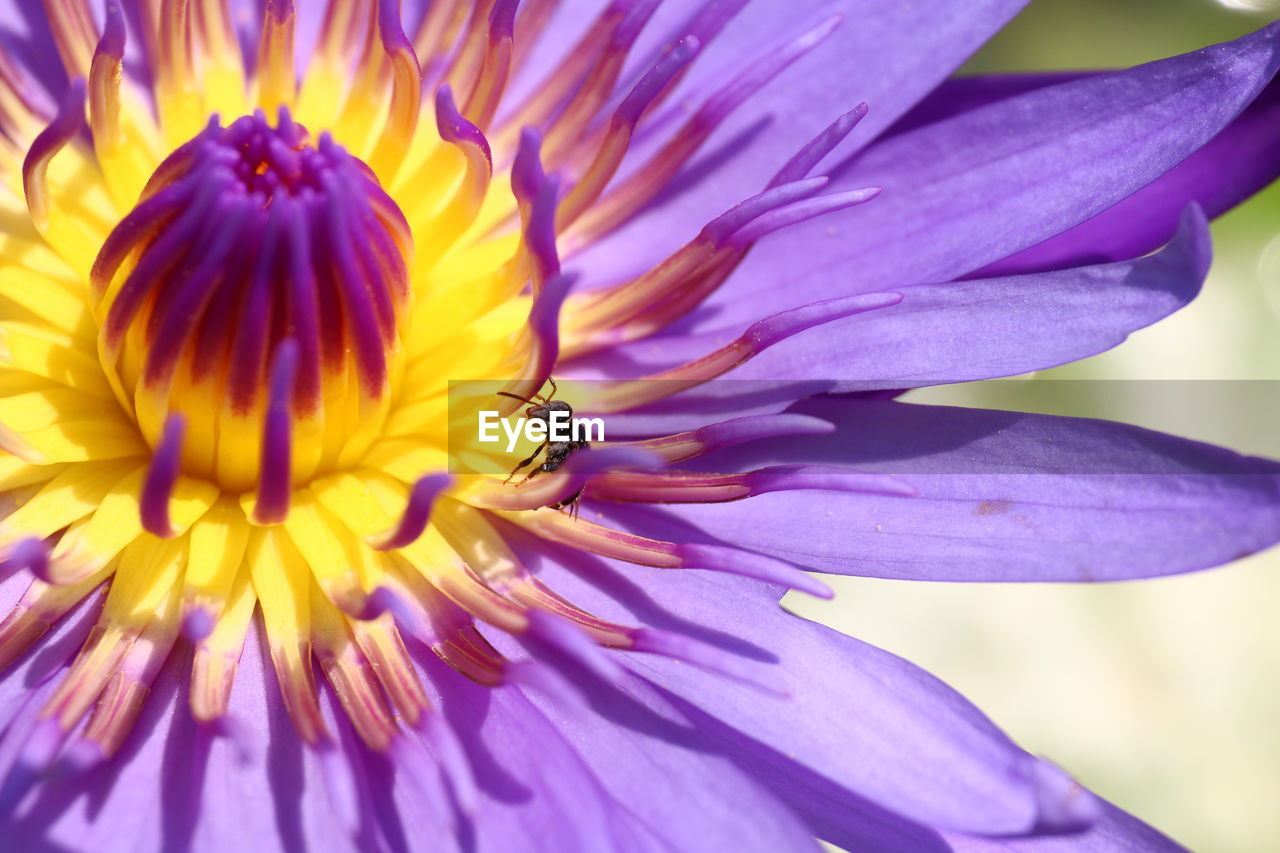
{"x": 1163, "y": 696}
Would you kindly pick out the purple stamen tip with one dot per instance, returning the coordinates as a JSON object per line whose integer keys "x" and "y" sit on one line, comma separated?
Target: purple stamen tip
{"x": 387, "y": 600}
{"x": 544, "y": 321}
{"x": 275, "y": 482}
{"x": 418, "y": 512}
{"x": 65, "y": 125}
{"x": 455, "y": 128}
{"x": 502, "y": 19}
{"x": 540, "y": 234}
{"x": 752, "y": 427}
{"x": 656, "y": 81}
{"x": 198, "y": 624}
{"x": 633, "y": 21}
{"x": 769, "y": 331}
{"x": 112, "y": 43}
{"x": 801, "y": 211}
{"x": 390, "y": 30}
{"x": 527, "y": 175}
{"x": 31, "y": 553}
{"x": 381, "y": 600}
{"x": 826, "y": 478}
{"x": 755, "y": 77}
{"x": 605, "y": 458}
{"x": 279, "y": 11}
{"x": 823, "y": 144}
{"x": 162, "y": 477}
{"x": 727, "y": 224}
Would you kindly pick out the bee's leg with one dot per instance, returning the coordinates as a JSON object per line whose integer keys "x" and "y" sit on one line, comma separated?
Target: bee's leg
{"x": 525, "y": 464}
{"x": 536, "y": 471}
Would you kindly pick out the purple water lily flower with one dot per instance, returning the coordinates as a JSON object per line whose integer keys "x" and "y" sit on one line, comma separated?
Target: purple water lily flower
{"x": 246, "y": 247}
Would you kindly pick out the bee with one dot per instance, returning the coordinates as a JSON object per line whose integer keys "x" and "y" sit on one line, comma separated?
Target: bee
{"x": 541, "y": 408}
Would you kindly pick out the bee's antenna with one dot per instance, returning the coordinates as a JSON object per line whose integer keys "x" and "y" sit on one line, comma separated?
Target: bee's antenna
{"x": 521, "y": 399}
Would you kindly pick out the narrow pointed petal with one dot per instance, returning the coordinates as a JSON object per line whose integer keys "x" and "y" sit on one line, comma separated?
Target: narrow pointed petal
{"x": 985, "y": 328}
{"x": 1090, "y": 143}
{"x": 1004, "y": 496}
{"x": 1238, "y": 162}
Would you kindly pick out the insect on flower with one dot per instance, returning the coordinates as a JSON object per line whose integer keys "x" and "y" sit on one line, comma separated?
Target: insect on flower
{"x": 557, "y": 451}
{"x": 247, "y": 603}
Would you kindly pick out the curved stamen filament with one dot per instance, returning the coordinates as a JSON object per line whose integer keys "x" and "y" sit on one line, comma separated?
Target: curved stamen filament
{"x": 74, "y": 33}
{"x": 687, "y": 445}
{"x": 416, "y": 515}
{"x": 482, "y": 102}
{"x": 761, "y": 335}
{"x": 283, "y": 586}
{"x": 352, "y": 678}
{"x": 438, "y": 27}
{"x": 567, "y": 76}
{"x": 611, "y": 307}
{"x": 687, "y": 487}
{"x": 104, "y": 83}
{"x": 623, "y": 202}
{"x": 543, "y": 337}
{"x": 217, "y": 656}
{"x": 622, "y": 126}
{"x": 457, "y": 214}
{"x": 807, "y": 158}
{"x": 35, "y": 167}
{"x": 564, "y": 134}
{"x": 40, "y": 607}
{"x": 463, "y": 74}
{"x": 630, "y": 548}
{"x": 406, "y": 95}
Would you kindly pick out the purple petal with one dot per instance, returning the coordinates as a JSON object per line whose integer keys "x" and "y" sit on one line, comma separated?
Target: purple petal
{"x": 36, "y": 672}
{"x": 885, "y": 54}
{"x": 961, "y": 94}
{"x": 630, "y": 735}
{"x": 1234, "y": 165}
{"x": 178, "y": 784}
{"x": 1002, "y": 496}
{"x": 558, "y": 777}
{"x": 962, "y": 331}
{"x": 858, "y": 724}
{"x": 962, "y": 193}
{"x": 1115, "y": 832}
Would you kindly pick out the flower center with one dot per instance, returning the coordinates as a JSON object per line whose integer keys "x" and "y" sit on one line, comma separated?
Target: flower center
{"x": 257, "y": 293}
